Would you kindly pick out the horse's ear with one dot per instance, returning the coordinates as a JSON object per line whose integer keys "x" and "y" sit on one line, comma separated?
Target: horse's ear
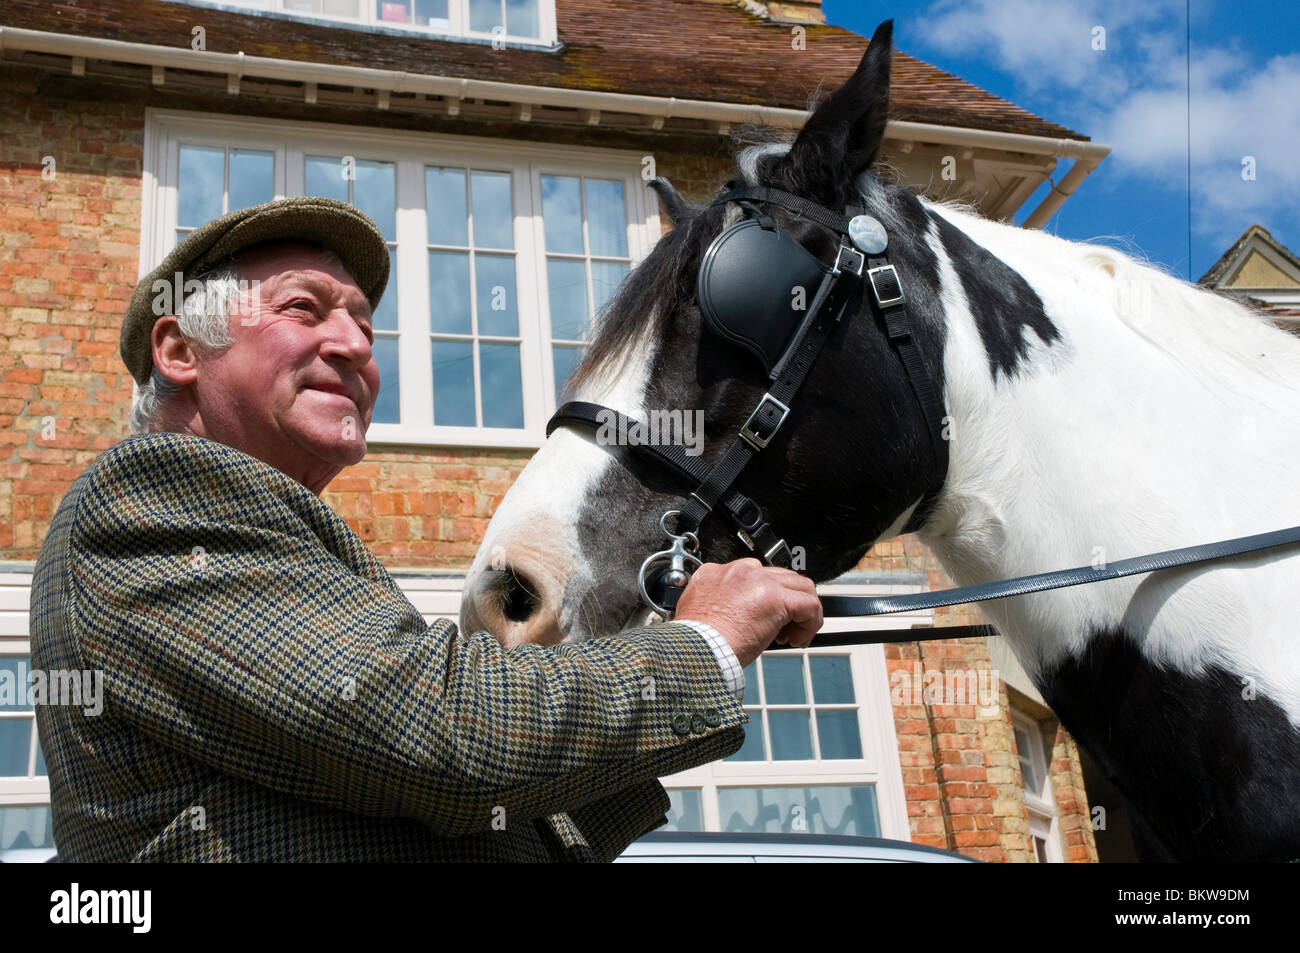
{"x": 844, "y": 135}
{"x": 677, "y": 208}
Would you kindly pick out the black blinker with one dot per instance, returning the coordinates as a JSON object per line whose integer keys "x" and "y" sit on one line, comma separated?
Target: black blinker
{"x": 754, "y": 287}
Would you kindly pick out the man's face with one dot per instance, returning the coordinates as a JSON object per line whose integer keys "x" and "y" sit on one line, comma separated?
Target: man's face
{"x": 298, "y": 386}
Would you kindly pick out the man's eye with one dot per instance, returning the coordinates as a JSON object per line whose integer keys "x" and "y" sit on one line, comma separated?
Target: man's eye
{"x": 303, "y": 304}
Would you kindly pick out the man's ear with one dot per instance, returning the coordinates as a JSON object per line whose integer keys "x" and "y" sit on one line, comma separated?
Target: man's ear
{"x": 173, "y": 356}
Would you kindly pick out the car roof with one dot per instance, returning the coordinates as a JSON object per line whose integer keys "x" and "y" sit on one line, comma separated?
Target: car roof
{"x": 668, "y": 846}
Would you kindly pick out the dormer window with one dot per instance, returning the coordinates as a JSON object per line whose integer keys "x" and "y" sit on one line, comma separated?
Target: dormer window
{"x": 515, "y": 21}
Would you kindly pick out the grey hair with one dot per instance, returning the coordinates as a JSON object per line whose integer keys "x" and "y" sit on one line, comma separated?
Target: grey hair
{"x": 747, "y": 161}
{"x": 204, "y": 322}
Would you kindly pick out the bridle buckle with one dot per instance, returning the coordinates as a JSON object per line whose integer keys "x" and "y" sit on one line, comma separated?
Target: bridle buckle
{"x": 764, "y": 422}
{"x": 886, "y": 286}
{"x": 849, "y": 260}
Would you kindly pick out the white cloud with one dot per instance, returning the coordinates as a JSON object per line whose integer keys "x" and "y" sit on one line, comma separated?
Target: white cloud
{"x": 1133, "y": 97}
{"x": 1238, "y": 109}
{"x": 1050, "y": 43}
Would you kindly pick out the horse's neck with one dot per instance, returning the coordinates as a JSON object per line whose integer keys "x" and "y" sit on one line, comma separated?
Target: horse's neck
{"x": 1119, "y": 438}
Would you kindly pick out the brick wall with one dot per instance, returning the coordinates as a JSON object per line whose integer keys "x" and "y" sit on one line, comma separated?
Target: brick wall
{"x": 69, "y": 264}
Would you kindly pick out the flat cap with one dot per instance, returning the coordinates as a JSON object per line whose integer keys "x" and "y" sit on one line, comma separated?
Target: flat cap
{"x": 326, "y": 223}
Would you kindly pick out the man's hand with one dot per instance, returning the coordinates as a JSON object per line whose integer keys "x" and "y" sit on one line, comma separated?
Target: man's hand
{"x": 752, "y": 605}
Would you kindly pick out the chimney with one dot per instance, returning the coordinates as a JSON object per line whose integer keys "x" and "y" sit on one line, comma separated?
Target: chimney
{"x": 786, "y": 11}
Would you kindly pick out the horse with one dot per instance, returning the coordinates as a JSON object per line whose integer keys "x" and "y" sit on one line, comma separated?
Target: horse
{"x": 1095, "y": 408}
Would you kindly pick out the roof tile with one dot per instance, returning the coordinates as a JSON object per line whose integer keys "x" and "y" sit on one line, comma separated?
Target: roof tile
{"x": 691, "y": 49}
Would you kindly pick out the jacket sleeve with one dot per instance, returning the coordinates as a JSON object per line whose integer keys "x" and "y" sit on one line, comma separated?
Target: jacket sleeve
{"x": 228, "y": 626}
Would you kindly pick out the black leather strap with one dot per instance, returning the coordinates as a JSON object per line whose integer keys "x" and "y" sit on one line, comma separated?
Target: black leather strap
{"x": 788, "y": 200}
{"x": 1061, "y": 578}
{"x": 883, "y": 282}
{"x": 743, "y": 512}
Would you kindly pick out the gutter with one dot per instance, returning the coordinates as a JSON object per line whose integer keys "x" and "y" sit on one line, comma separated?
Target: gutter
{"x": 234, "y": 66}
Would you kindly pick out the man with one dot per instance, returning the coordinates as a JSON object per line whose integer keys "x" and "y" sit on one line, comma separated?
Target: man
{"x": 270, "y": 694}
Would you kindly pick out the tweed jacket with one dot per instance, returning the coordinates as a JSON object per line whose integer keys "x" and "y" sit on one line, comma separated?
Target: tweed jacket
{"x": 269, "y": 693}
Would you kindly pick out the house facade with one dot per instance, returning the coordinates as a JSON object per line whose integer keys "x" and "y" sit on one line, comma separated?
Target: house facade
{"x": 503, "y": 148}
{"x": 1262, "y": 273}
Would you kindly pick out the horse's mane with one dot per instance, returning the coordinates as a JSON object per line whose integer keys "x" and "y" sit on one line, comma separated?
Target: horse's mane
{"x": 1222, "y": 341}
{"x": 1199, "y": 328}
{"x": 645, "y": 300}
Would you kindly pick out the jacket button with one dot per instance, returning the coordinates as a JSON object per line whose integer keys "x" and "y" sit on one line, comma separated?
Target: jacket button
{"x": 682, "y": 724}
{"x": 698, "y": 725}
{"x": 712, "y": 717}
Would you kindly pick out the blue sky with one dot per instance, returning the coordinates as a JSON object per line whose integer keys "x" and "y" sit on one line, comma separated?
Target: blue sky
{"x": 1133, "y": 96}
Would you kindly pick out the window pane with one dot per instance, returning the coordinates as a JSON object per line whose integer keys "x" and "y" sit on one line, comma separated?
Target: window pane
{"x": 335, "y": 8}
{"x": 752, "y": 749}
{"x": 564, "y": 361}
{"x": 387, "y": 407}
{"x": 453, "y": 384}
{"x": 823, "y": 809}
{"x": 503, "y": 393}
{"x": 23, "y": 827}
{"x": 606, "y": 218}
{"x": 42, "y": 768}
{"x": 791, "y": 735}
{"x": 449, "y": 292}
{"x": 567, "y": 281}
{"x": 751, "y": 686}
{"x": 252, "y": 178}
{"x": 444, "y": 198}
{"x": 392, "y": 11}
{"x": 606, "y": 276}
{"x": 837, "y": 732}
{"x": 783, "y": 680}
{"x": 832, "y": 679}
{"x": 431, "y": 13}
{"x": 375, "y": 193}
{"x": 15, "y": 746}
{"x": 562, "y": 214}
{"x": 522, "y": 18}
{"x": 686, "y": 813}
{"x": 494, "y": 217}
{"x": 1026, "y": 761}
{"x": 14, "y": 670}
{"x": 385, "y": 316}
{"x": 495, "y": 276}
{"x": 200, "y": 185}
{"x": 484, "y": 15}
{"x": 326, "y": 176}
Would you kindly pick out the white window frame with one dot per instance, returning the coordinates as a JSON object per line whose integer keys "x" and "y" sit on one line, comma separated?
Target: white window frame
{"x": 14, "y": 791}
{"x": 1044, "y": 818}
{"x": 15, "y": 639}
{"x": 879, "y": 766}
{"x": 457, "y": 15}
{"x": 167, "y": 130}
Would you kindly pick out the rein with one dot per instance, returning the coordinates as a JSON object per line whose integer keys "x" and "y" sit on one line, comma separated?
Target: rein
{"x": 757, "y": 246}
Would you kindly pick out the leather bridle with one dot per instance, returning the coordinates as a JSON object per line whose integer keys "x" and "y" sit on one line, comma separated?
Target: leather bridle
{"x": 861, "y": 254}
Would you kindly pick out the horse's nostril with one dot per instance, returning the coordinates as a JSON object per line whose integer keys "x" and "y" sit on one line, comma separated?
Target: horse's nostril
{"x": 514, "y": 592}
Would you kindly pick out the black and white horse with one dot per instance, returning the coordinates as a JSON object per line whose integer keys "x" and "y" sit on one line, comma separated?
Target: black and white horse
{"x": 1097, "y": 409}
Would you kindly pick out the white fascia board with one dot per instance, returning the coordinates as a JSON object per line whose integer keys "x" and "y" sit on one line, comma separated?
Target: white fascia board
{"x": 1087, "y": 155}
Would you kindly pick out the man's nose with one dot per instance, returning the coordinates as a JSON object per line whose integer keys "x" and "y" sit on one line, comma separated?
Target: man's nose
{"x": 346, "y": 340}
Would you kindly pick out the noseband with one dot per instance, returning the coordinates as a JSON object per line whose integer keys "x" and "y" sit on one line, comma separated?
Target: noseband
{"x": 748, "y": 275}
